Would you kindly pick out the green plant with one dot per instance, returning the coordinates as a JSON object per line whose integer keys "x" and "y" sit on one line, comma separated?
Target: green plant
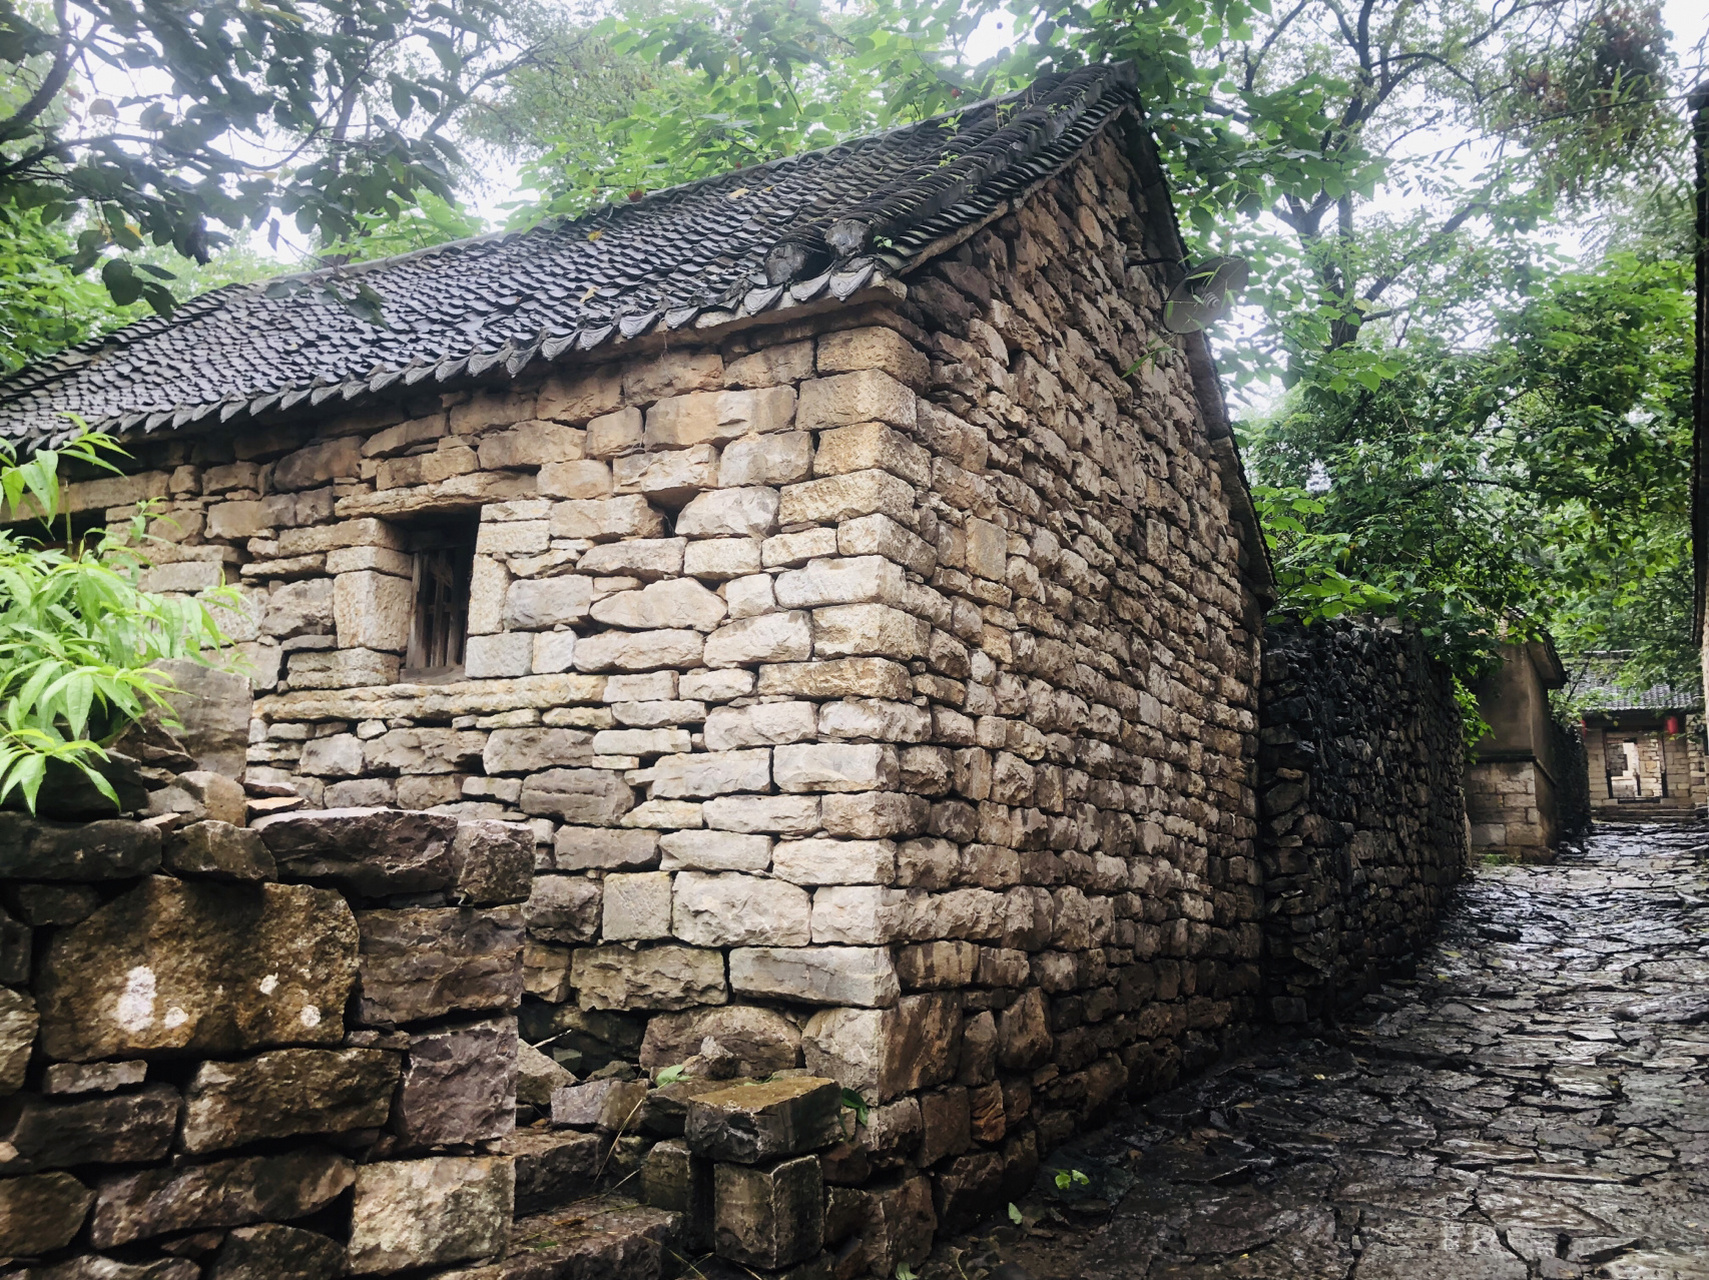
{"x": 78, "y": 635}
{"x": 905, "y": 1272}
{"x": 1066, "y": 1178}
{"x": 1015, "y": 1214}
{"x": 857, "y": 1104}
{"x": 670, "y": 1075}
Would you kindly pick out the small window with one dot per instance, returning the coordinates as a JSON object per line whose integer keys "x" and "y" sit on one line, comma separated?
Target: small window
{"x": 444, "y": 558}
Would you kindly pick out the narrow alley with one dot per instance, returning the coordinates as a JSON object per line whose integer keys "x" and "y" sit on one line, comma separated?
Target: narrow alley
{"x": 1535, "y": 1103}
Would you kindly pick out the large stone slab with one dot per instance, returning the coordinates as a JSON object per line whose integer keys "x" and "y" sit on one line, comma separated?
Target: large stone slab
{"x": 287, "y": 1092}
{"x": 179, "y": 967}
{"x": 96, "y": 1266}
{"x": 864, "y": 976}
{"x": 425, "y": 962}
{"x": 493, "y": 861}
{"x": 46, "y": 1133}
{"x": 111, "y": 849}
{"x": 654, "y": 978}
{"x": 374, "y": 852}
{"x": 762, "y": 1041}
{"x": 563, "y": 909}
{"x": 41, "y": 1212}
{"x": 750, "y": 1123}
{"x": 226, "y": 1193}
{"x": 768, "y": 1217}
{"x": 459, "y": 1085}
{"x": 605, "y": 1239}
{"x": 274, "y": 1252}
{"x": 885, "y": 1053}
{"x": 553, "y": 1166}
{"x": 422, "y": 1213}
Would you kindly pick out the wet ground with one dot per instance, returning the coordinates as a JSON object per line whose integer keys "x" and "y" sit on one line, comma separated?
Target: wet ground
{"x": 1534, "y": 1104}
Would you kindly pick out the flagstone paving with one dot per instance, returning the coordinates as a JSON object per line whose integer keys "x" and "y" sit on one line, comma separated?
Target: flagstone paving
{"x": 1534, "y": 1103}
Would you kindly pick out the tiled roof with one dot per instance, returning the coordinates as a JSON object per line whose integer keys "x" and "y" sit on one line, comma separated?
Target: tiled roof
{"x": 792, "y": 230}
{"x": 1595, "y": 684}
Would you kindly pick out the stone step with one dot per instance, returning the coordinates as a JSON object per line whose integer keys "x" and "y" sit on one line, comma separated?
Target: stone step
{"x": 602, "y": 1238}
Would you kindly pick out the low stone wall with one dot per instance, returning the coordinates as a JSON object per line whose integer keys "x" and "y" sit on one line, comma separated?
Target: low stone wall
{"x": 1364, "y": 832}
{"x": 286, "y": 1050}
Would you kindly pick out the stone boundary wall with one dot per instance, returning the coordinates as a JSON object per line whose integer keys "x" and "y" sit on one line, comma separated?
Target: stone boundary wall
{"x": 1360, "y": 763}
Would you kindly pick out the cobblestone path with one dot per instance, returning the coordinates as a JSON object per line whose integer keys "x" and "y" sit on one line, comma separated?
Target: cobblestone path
{"x": 1534, "y": 1104}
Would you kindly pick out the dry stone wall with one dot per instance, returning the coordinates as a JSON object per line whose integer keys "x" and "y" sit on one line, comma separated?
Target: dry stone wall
{"x": 1360, "y": 769}
{"x": 878, "y": 690}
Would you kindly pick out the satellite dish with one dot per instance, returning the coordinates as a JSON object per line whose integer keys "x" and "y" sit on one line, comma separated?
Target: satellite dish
{"x": 1203, "y": 294}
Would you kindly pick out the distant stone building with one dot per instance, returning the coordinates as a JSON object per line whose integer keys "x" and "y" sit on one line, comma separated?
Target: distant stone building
{"x": 836, "y": 565}
{"x": 1645, "y": 755}
{"x": 1514, "y": 780}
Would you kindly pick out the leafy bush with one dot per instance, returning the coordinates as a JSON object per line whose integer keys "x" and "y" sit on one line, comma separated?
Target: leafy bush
{"x": 78, "y": 635}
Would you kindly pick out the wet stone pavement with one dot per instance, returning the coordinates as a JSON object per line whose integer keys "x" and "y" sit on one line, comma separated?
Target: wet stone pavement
{"x": 1534, "y": 1103}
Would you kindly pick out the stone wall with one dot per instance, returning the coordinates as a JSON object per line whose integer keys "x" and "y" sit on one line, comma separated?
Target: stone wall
{"x": 1364, "y": 830}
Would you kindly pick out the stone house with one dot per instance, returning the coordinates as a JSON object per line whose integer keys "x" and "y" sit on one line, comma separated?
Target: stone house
{"x": 1515, "y": 779}
{"x": 1645, "y": 760}
{"x": 836, "y": 564}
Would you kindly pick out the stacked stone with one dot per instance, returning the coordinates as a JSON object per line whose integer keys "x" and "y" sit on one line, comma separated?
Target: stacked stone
{"x": 284, "y": 1051}
{"x": 1360, "y": 771}
{"x": 888, "y": 673}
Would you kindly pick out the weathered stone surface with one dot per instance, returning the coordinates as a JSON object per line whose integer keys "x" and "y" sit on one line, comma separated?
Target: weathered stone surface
{"x": 537, "y": 1076}
{"x": 285, "y": 1093}
{"x": 711, "y": 773}
{"x": 768, "y": 1217}
{"x": 531, "y": 750}
{"x": 220, "y": 851}
{"x": 18, "y": 1024}
{"x": 94, "y": 1266}
{"x": 838, "y": 678}
{"x": 771, "y": 637}
{"x": 729, "y": 909}
{"x": 175, "y": 966}
{"x": 212, "y": 708}
{"x": 730, "y": 513}
{"x": 111, "y": 849}
{"x": 784, "y": 815}
{"x": 638, "y": 650}
{"x": 201, "y": 794}
{"x": 713, "y": 851}
{"x": 274, "y": 1252}
{"x": 751, "y": 1123}
{"x": 586, "y": 797}
{"x": 493, "y": 861}
{"x": 553, "y": 1166}
{"x": 48, "y": 1133}
{"x": 563, "y": 909}
{"x": 636, "y": 906}
{"x": 835, "y": 861}
{"x": 459, "y": 1085}
{"x": 41, "y": 1212}
{"x": 653, "y": 978}
{"x": 864, "y": 976}
{"x": 762, "y": 1041}
{"x": 902, "y": 1225}
{"x": 885, "y": 1053}
{"x": 226, "y": 1193}
{"x": 425, "y": 962}
{"x": 835, "y": 767}
{"x": 611, "y": 1106}
{"x": 92, "y": 1077}
{"x": 760, "y": 725}
{"x": 604, "y": 848}
{"x": 678, "y": 422}
{"x": 371, "y": 851}
{"x": 1023, "y": 1032}
{"x": 419, "y": 1213}
{"x": 676, "y": 1180}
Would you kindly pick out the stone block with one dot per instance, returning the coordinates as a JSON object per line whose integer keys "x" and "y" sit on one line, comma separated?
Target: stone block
{"x": 876, "y": 814}
{"x": 771, "y": 366}
{"x": 854, "y": 629}
{"x": 531, "y": 444}
{"x": 274, "y": 1252}
{"x": 425, "y": 962}
{"x": 751, "y": 596}
{"x": 493, "y": 861}
{"x": 675, "y": 603}
{"x": 766, "y": 460}
{"x": 756, "y": 1122}
{"x": 372, "y": 611}
{"x": 669, "y": 478}
{"x": 91, "y": 1077}
{"x": 606, "y": 519}
{"x": 424, "y": 468}
{"x": 546, "y": 971}
{"x": 318, "y": 464}
{"x": 50, "y": 1133}
{"x": 177, "y": 966}
{"x": 201, "y": 794}
{"x": 728, "y": 909}
{"x": 396, "y": 439}
{"x": 768, "y": 1217}
{"x": 676, "y": 1180}
{"x": 339, "y": 756}
{"x": 426, "y": 750}
{"x": 586, "y": 478}
{"x": 711, "y": 773}
{"x": 638, "y": 650}
{"x": 814, "y": 862}
{"x": 863, "y": 976}
{"x": 577, "y": 396}
{"x": 714, "y": 851}
{"x": 762, "y": 1041}
{"x": 715, "y": 417}
{"x": 538, "y": 604}
{"x": 611, "y": 1106}
{"x": 838, "y": 678}
{"x": 110, "y": 849}
{"x": 720, "y": 558}
{"x": 938, "y": 966}
{"x": 884, "y": 1054}
{"x": 879, "y": 535}
{"x": 219, "y": 851}
{"x": 614, "y": 434}
{"x": 41, "y": 1213}
{"x": 599, "y": 849}
{"x": 847, "y": 497}
{"x": 532, "y": 749}
{"x": 563, "y": 909}
{"x": 667, "y": 977}
{"x": 790, "y": 550}
{"x": 498, "y": 657}
{"x": 637, "y": 906}
{"x": 368, "y": 851}
{"x": 730, "y": 513}
{"x": 287, "y": 1093}
{"x": 780, "y": 815}
{"x": 223, "y": 1193}
{"x": 1023, "y": 1032}
{"x": 498, "y": 407}
{"x": 554, "y": 651}
{"x": 835, "y": 767}
{"x": 760, "y": 725}
{"x": 591, "y": 797}
{"x": 342, "y": 669}
{"x": 864, "y": 395}
{"x": 772, "y": 637}
{"x": 850, "y": 350}
{"x": 458, "y": 1085}
{"x": 943, "y": 1125}
{"x": 245, "y": 518}
{"x": 671, "y": 373}
{"x": 987, "y": 1120}
{"x": 970, "y": 1189}
{"x": 842, "y": 580}
{"x": 872, "y": 445}
{"x": 865, "y": 915}
{"x": 537, "y": 1076}
{"x": 433, "y": 1212}
{"x": 18, "y": 1024}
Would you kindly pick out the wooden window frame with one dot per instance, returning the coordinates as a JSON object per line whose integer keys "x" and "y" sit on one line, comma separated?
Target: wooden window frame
{"x": 443, "y": 556}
